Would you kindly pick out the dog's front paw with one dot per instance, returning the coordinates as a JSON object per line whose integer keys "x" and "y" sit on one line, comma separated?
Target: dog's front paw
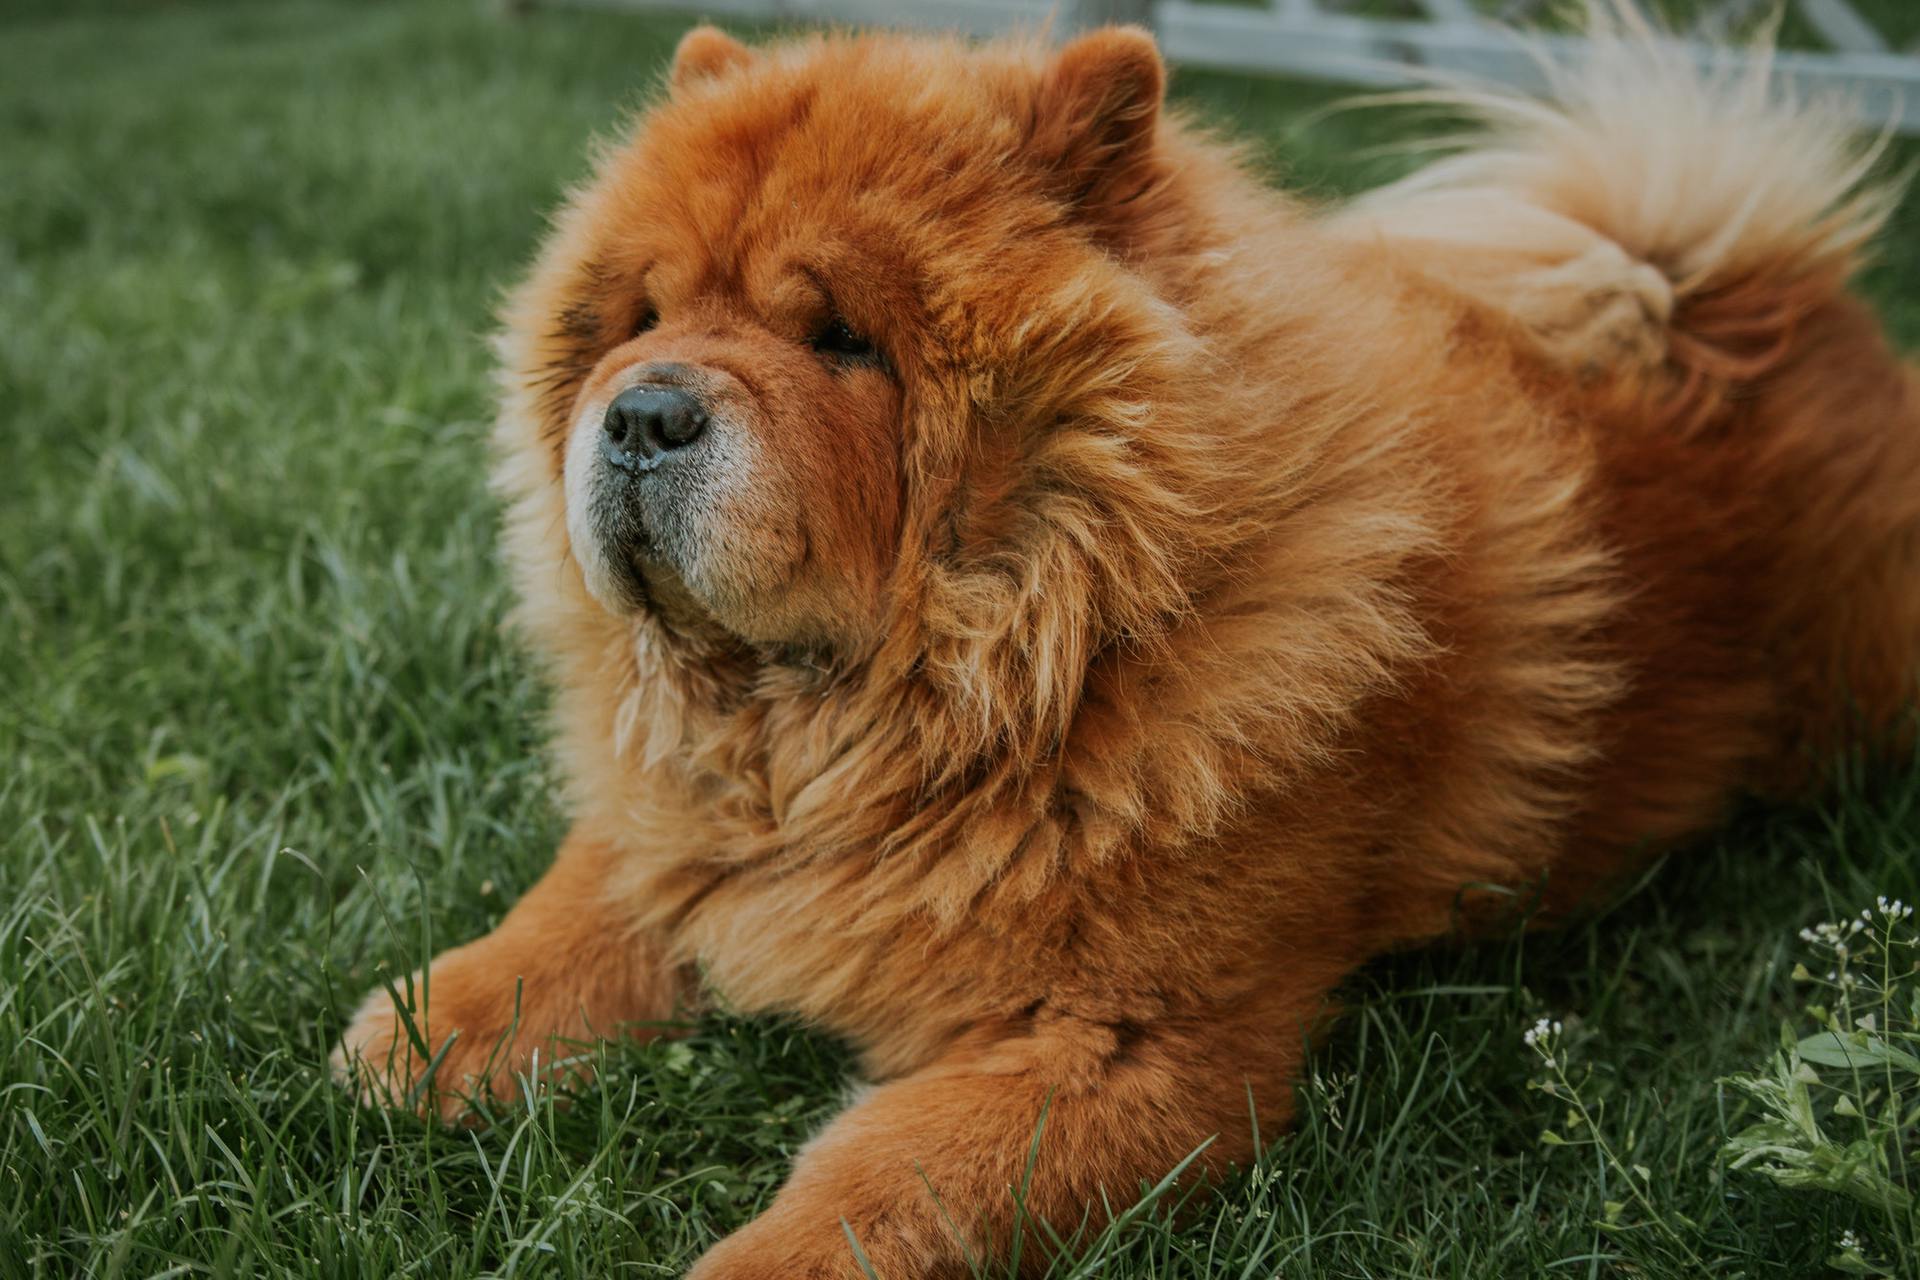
{"x": 459, "y": 1038}
{"x": 384, "y": 1063}
{"x": 748, "y": 1254}
{"x": 815, "y": 1245}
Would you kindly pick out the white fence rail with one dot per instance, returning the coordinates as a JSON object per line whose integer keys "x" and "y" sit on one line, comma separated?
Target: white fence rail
{"x": 1846, "y": 53}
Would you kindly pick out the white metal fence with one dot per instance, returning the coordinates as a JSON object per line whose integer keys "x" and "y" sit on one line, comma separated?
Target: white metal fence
{"x": 1865, "y": 50}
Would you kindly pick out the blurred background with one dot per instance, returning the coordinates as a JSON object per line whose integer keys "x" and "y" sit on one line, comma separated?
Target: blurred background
{"x": 262, "y": 740}
{"x": 1867, "y": 49}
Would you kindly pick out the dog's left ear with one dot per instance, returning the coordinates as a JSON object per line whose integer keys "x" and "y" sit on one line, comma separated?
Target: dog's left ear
{"x": 706, "y": 53}
{"x": 1098, "y": 106}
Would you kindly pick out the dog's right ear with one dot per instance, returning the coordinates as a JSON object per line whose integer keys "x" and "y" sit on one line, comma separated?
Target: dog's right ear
{"x": 706, "y": 53}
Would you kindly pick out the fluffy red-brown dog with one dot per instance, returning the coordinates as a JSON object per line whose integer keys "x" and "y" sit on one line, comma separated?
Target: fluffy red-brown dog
{"x": 1029, "y": 598}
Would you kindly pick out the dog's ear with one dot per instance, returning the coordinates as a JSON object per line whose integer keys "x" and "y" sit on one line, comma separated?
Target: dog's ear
{"x": 704, "y": 53}
{"x": 1094, "y": 119}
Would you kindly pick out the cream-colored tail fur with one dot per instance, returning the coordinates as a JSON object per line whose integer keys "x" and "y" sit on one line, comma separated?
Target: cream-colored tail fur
{"x": 1649, "y": 206}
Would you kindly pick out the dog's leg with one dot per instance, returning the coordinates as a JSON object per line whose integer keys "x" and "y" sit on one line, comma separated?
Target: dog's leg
{"x": 1579, "y": 298}
{"x": 931, "y": 1174}
{"x": 565, "y": 966}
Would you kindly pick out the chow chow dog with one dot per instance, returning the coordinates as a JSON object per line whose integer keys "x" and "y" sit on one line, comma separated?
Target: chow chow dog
{"x": 1033, "y": 600}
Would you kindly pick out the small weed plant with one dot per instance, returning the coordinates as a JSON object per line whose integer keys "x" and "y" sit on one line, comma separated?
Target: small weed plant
{"x": 1840, "y": 1107}
{"x": 1836, "y": 1109}
{"x": 1629, "y": 1210}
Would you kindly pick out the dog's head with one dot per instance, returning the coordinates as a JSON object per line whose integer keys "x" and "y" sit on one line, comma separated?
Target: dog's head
{"x": 849, "y": 350}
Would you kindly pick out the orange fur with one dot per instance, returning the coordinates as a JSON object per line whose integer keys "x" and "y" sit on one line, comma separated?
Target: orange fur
{"x": 1202, "y": 595}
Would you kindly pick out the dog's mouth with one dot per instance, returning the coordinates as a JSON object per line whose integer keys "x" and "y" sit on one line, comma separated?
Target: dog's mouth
{"x": 656, "y": 588}
{"x": 618, "y": 542}
{"x": 637, "y": 567}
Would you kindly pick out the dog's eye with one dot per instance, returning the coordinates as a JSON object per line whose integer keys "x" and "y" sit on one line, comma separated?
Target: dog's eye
{"x": 648, "y": 318}
{"x": 841, "y": 342}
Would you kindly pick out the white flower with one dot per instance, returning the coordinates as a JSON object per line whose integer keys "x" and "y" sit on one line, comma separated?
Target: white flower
{"x": 1541, "y": 1034}
{"x": 1831, "y": 935}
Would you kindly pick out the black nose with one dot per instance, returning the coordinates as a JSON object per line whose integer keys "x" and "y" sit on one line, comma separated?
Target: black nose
{"x": 644, "y": 422}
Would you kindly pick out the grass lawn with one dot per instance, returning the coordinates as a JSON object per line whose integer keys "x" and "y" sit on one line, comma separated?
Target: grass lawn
{"x": 261, "y": 736}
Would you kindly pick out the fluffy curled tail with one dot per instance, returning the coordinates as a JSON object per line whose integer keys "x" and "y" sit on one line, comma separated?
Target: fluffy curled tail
{"x": 1752, "y": 203}
{"x": 1733, "y": 209}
